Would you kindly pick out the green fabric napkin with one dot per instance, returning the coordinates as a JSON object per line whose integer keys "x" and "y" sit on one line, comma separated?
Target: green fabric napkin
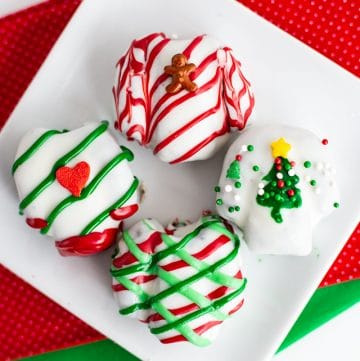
{"x": 326, "y": 303}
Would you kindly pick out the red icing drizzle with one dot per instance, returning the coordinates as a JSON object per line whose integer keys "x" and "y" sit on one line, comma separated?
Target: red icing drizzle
{"x": 201, "y": 329}
{"x": 147, "y": 246}
{"x": 217, "y": 293}
{"x": 144, "y": 132}
{"x": 88, "y": 244}
{"x": 204, "y": 253}
{"x": 124, "y": 212}
{"x": 37, "y": 223}
{"x": 138, "y": 280}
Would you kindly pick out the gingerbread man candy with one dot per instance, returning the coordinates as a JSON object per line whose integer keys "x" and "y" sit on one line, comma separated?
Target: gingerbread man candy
{"x": 180, "y": 70}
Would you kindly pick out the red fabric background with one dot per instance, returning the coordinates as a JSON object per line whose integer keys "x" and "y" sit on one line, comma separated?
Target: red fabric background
{"x": 30, "y": 323}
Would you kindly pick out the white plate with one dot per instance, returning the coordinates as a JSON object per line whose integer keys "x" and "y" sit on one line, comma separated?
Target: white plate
{"x": 292, "y": 84}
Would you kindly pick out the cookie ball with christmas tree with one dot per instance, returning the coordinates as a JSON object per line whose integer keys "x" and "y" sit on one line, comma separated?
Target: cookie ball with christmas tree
{"x": 277, "y": 183}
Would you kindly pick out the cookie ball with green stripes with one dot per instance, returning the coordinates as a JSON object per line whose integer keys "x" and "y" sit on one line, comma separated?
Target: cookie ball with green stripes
{"x": 182, "y": 281}
{"x": 75, "y": 186}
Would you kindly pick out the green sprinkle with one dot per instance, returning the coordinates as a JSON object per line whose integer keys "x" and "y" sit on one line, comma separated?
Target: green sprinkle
{"x": 278, "y": 197}
{"x": 272, "y": 193}
{"x": 250, "y": 147}
{"x": 237, "y": 208}
{"x": 273, "y": 183}
{"x": 287, "y": 166}
{"x": 231, "y": 209}
{"x": 307, "y": 164}
{"x": 313, "y": 182}
{"x": 217, "y": 189}
{"x": 288, "y": 183}
{"x": 336, "y": 205}
{"x": 266, "y": 195}
{"x": 219, "y": 202}
{"x": 237, "y": 184}
{"x": 255, "y": 168}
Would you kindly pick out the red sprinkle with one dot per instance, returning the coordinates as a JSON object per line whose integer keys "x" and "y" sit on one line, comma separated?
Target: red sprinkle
{"x": 238, "y": 157}
{"x": 277, "y": 160}
{"x": 278, "y": 167}
{"x": 290, "y": 192}
{"x": 280, "y": 184}
{"x": 325, "y": 141}
{"x": 292, "y": 163}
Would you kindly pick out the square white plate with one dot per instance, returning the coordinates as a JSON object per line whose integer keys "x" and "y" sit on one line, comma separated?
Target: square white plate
{"x": 292, "y": 84}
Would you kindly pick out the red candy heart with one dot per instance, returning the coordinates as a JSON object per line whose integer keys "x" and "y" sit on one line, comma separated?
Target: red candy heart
{"x": 73, "y": 179}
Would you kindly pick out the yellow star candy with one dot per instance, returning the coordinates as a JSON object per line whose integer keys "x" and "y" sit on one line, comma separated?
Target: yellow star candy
{"x": 280, "y": 148}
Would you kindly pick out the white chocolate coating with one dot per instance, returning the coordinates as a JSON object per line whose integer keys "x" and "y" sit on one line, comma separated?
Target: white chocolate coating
{"x": 184, "y": 126}
{"x": 293, "y": 236}
{"x": 72, "y": 220}
{"x": 206, "y": 248}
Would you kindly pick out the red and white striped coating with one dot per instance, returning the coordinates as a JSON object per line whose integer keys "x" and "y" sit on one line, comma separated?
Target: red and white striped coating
{"x": 208, "y": 246}
{"x": 184, "y": 126}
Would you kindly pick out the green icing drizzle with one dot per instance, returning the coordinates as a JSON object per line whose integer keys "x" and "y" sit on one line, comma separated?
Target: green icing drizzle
{"x": 33, "y": 148}
{"x": 89, "y": 189}
{"x": 60, "y": 163}
{"x": 214, "y": 306}
{"x": 106, "y": 213}
{"x": 141, "y": 256}
{"x": 211, "y": 272}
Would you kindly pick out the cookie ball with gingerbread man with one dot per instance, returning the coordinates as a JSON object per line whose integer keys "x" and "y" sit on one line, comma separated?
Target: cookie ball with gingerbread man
{"x": 180, "y": 70}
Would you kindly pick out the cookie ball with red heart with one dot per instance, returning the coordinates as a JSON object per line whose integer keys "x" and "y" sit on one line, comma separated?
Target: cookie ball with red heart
{"x": 75, "y": 186}
{"x": 183, "y": 282}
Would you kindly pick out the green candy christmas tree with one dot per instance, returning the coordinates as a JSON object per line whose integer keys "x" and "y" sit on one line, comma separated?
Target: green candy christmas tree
{"x": 233, "y": 172}
{"x": 281, "y": 191}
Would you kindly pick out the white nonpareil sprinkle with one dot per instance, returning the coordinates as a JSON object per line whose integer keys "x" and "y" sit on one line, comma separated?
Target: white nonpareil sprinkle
{"x": 261, "y": 192}
{"x": 237, "y": 197}
{"x": 261, "y": 185}
{"x": 317, "y": 190}
{"x": 319, "y": 165}
{"x": 279, "y": 175}
{"x": 291, "y": 172}
{"x": 244, "y": 148}
{"x": 228, "y": 188}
